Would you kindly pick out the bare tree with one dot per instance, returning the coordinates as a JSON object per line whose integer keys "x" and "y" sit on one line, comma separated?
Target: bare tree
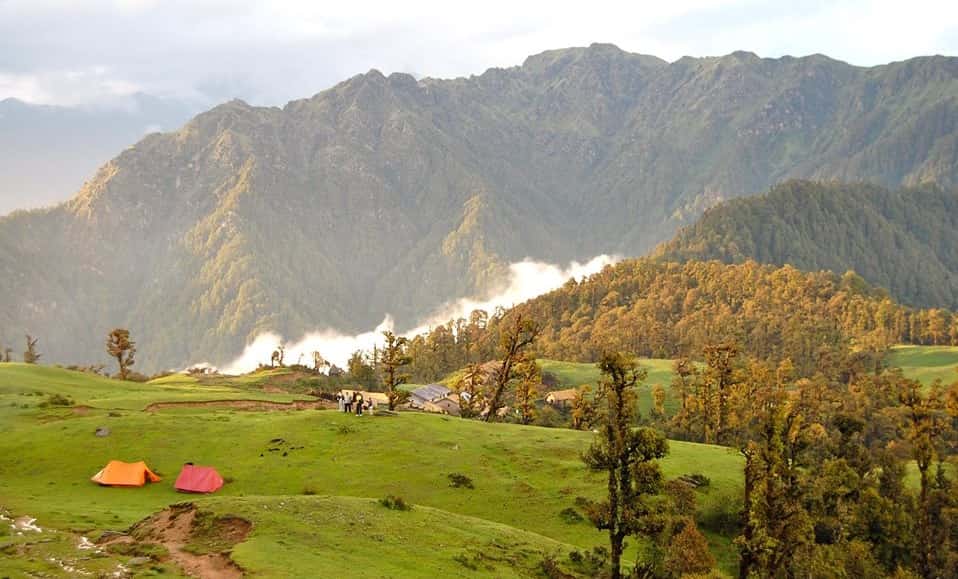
{"x": 318, "y": 361}
{"x": 31, "y": 356}
{"x": 276, "y": 359}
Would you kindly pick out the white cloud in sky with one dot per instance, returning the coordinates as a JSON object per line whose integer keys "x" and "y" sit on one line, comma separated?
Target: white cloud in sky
{"x": 270, "y": 52}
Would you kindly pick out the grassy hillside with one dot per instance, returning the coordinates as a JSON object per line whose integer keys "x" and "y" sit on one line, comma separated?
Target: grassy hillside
{"x": 926, "y": 363}
{"x": 371, "y": 541}
{"x": 524, "y": 477}
{"x": 22, "y": 384}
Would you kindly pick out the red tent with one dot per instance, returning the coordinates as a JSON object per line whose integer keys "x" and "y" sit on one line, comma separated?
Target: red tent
{"x": 198, "y": 479}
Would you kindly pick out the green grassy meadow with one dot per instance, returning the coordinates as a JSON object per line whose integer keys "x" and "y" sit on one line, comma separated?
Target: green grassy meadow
{"x": 317, "y": 488}
{"x": 574, "y": 374}
{"x": 926, "y": 363}
{"x": 310, "y": 480}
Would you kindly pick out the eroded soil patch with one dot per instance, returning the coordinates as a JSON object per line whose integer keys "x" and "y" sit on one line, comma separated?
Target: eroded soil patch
{"x": 196, "y": 541}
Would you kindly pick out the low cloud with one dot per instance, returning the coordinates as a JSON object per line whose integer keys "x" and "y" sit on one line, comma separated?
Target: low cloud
{"x": 527, "y": 279}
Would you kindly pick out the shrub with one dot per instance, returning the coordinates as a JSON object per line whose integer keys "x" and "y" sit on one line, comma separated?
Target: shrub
{"x": 590, "y": 563}
{"x": 309, "y": 490}
{"x": 92, "y": 369}
{"x": 460, "y": 481}
{"x": 552, "y": 570}
{"x": 395, "y": 503}
{"x": 570, "y": 516}
{"x": 57, "y": 400}
{"x": 723, "y": 519}
{"x": 466, "y": 561}
{"x": 697, "y": 480}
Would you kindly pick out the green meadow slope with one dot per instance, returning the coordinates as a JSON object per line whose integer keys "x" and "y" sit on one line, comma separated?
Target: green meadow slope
{"x": 524, "y": 477}
{"x": 926, "y": 363}
{"x": 575, "y": 374}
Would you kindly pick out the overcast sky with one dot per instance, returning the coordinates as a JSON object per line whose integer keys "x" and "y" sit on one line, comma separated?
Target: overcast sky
{"x": 98, "y": 51}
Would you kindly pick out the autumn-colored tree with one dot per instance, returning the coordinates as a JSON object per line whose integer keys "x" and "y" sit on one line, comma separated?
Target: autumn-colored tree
{"x": 515, "y": 339}
{"x": 583, "y": 408}
{"x": 361, "y": 371}
{"x": 628, "y": 456}
{"x": 688, "y": 552}
{"x": 658, "y": 401}
{"x": 392, "y": 359}
{"x": 30, "y": 355}
{"x": 776, "y": 525}
{"x": 684, "y": 374}
{"x": 469, "y": 387}
{"x": 528, "y": 386}
{"x": 951, "y": 399}
{"x": 925, "y": 421}
{"x": 719, "y": 360}
{"x": 120, "y": 347}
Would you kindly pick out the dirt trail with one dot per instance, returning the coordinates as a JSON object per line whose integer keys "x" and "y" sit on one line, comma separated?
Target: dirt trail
{"x": 255, "y": 405}
{"x": 176, "y": 530}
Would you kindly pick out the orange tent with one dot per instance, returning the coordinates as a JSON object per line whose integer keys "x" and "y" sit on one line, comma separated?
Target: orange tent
{"x": 125, "y": 474}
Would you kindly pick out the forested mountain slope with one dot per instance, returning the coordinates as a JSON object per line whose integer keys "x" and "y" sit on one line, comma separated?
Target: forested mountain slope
{"x": 665, "y": 310}
{"x": 903, "y": 240}
{"x": 388, "y": 194}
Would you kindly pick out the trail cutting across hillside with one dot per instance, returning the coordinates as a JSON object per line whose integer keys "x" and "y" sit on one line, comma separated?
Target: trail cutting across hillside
{"x": 243, "y": 404}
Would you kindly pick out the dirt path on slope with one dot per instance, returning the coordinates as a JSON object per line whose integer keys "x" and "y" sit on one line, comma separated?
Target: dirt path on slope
{"x": 253, "y": 405}
{"x": 198, "y": 543}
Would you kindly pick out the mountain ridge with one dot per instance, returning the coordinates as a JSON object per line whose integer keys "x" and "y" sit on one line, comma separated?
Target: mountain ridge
{"x": 387, "y": 194}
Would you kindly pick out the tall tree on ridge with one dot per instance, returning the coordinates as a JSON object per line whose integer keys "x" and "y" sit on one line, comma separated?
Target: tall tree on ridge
{"x": 469, "y": 388}
{"x": 926, "y": 422}
{"x": 123, "y": 349}
{"x": 392, "y": 358}
{"x": 628, "y": 455}
{"x": 527, "y": 389}
{"x": 514, "y": 340}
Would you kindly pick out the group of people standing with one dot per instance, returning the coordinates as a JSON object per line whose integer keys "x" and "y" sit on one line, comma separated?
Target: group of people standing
{"x": 355, "y": 402}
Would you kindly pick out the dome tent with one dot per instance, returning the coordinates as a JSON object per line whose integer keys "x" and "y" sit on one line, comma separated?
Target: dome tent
{"x": 125, "y": 474}
{"x": 198, "y": 479}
